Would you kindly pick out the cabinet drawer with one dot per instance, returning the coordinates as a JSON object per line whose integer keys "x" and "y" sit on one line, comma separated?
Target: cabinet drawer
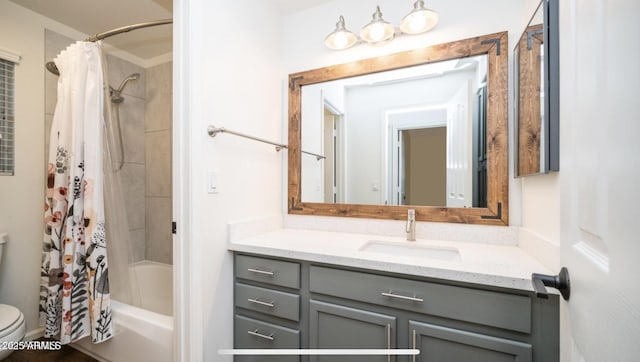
{"x": 489, "y": 308}
{"x": 270, "y": 271}
{"x": 279, "y": 304}
{"x": 254, "y": 334}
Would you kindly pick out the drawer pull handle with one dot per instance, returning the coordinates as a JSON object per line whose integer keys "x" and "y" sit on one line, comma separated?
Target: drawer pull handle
{"x": 257, "y": 301}
{"x": 403, "y": 297}
{"x": 263, "y": 272}
{"x": 255, "y": 333}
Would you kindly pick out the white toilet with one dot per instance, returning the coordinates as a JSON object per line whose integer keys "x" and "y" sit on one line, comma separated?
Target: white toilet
{"x": 12, "y": 326}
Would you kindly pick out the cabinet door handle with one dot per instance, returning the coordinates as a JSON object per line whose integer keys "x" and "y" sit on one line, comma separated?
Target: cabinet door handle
{"x": 388, "y": 341}
{"x": 403, "y": 297}
{"x": 414, "y": 344}
{"x": 257, "y": 301}
{"x": 257, "y": 334}
{"x": 263, "y": 272}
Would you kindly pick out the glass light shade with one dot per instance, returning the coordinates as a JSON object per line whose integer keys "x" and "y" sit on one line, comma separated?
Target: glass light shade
{"x": 341, "y": 38}
{"x": 378, "y": 30}
{"x": 419, "y": 20}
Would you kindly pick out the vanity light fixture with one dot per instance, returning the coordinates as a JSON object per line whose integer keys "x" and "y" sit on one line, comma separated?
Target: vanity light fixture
{"x": 419, "y": 20}
{"x": 341, "y": 38}
{"x": 379, "y": 31}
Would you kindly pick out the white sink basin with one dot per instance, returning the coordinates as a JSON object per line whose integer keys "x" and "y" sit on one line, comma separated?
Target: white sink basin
{"x": 411, "y": 249}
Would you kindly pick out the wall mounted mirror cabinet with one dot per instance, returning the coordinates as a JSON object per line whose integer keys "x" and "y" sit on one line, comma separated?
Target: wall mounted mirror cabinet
{"x": 536, "y": 64}
{"x": 424, "y": 129}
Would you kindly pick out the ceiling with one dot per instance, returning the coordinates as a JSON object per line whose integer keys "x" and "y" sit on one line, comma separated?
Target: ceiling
{"x": 97, "y": 16}
{"x": 292, "y": 6}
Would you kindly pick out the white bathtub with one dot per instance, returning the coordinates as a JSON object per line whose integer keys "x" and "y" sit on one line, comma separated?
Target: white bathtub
{"x": 141, "y": 334}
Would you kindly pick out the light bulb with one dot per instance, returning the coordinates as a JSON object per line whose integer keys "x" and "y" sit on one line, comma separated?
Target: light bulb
{"x": 416, "y": 22}
{"x": 340, "y": 38}
{"x": 378, "y": 30}
{"x": 419, "y": 20}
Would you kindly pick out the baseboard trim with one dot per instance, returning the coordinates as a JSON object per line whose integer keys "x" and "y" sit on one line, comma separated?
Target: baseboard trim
{"x": 34, "y": 334}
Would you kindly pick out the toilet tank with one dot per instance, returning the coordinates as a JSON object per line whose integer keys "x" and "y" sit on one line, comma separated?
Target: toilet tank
{"x": 4, "y": 237}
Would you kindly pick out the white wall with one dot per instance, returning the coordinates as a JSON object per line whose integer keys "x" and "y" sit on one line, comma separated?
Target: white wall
{"x": 22, "y": 195}
{"x": 228, "y": 74}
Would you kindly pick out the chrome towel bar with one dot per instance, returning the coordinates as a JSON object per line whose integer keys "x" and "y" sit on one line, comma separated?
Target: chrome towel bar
{"x": 213, "y": 131}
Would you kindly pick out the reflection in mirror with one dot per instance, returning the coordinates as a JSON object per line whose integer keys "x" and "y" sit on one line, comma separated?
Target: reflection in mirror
{"x": 368, "y": 129}
{"x": 536, "y": 85}
{"x": 411, "y": 136}
{"x": 528, "y": 58}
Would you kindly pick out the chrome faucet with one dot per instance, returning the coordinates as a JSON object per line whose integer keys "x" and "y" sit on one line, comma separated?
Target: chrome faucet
{"x": 411, "y": 225}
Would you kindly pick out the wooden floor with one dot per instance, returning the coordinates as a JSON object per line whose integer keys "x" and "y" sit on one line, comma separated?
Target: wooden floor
{"x": 66, "y": 354}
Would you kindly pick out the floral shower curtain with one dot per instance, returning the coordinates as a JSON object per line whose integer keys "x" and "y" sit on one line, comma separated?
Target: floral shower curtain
{"x": 74, "y": 291}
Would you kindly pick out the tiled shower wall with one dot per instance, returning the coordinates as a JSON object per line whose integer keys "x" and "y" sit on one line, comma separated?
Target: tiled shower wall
{"x": 157, "y": 154}
{"x": 145, "y": 118}
{"x": 131, "y": 114}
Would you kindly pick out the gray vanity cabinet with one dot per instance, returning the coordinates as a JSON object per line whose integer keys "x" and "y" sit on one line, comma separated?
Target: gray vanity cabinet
{"x": 300, "y": 304}
{"x": 335, "y": 326}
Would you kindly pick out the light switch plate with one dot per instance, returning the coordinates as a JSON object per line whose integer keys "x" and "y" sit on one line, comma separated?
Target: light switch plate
{"x": 212, "y": 182}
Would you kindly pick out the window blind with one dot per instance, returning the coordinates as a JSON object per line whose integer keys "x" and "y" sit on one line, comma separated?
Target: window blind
{"x": 7, "y": 127}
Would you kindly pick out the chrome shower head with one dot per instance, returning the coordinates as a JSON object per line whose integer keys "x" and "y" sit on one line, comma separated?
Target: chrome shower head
{"x": 116, "y": 94}
{"x": 133, "y": 76}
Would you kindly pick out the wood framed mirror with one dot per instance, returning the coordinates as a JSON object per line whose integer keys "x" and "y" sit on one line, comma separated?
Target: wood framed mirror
{"x": 476, "y": 168}
{"x": 537, "y": 93}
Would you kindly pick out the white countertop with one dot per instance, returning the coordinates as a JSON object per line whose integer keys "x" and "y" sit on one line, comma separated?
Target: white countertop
{"x": 496, "y": 265}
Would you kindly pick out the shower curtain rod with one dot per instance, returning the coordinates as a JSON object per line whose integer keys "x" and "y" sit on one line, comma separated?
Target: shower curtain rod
{"x": 51, "y": 66}
{"x": 128, "y": 28}
{"x": 213, "y": 131}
